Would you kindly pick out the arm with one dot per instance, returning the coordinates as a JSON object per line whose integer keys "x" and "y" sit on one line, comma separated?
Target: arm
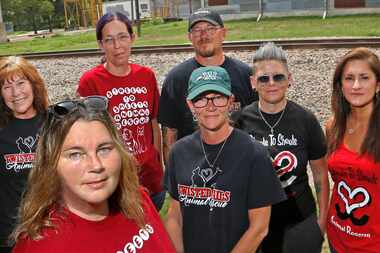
{"x": 173, "y": 225}
{"x": 322, "y": 189}
{"x": 157, "y": 140}
{"x": 169, "y": 136}
{"x": 257, "y": 230}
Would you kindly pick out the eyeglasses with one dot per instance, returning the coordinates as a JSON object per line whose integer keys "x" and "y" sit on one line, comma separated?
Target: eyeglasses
{"x": 91, "y": 103}
{"x": 217, "y": 101}
{"x": 209, "y": 31}
{"x": 264, "y": 79}
{"x": 121, "y": 37}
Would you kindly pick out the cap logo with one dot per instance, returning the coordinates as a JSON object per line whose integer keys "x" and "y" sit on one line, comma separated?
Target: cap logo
{"x": 209, "y": 75}
{"x": 202, "y": 12}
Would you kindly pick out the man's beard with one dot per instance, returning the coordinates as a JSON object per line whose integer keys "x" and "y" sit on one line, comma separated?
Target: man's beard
{"x": 208, "y": 52}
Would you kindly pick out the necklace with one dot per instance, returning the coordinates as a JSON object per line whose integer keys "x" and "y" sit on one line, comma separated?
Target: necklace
{"x": 276, "y": 123}
{"x": 217, "y": 155}
{"x": 351, "y": 130}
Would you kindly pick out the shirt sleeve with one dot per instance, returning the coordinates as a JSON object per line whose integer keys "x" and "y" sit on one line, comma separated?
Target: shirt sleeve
{"x": 264, "y": 186}
{"x": 317, "y": 142}
{"x": 167, "y": 113}
{"x": 84, "y": 87}
{"x": 170, "y": 182}
{"x": 156, "y": 96}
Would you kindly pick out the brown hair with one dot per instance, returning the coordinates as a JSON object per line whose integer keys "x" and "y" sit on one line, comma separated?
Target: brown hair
{"x": 43, "y": 192}
{"x": 341, "y": 107}
{"x": 17, "y": 66}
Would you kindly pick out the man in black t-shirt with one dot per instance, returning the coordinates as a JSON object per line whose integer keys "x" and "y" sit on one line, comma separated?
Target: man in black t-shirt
{"x": 221, "y": 181}
{"x": 206, "y": 33}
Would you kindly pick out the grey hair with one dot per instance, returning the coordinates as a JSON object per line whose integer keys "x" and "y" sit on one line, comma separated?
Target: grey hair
{"x": 269, "y": 51}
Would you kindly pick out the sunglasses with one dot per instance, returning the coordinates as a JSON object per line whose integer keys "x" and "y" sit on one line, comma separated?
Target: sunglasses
{"x": 90, "y": 103}
{"x": 276, "y": 78}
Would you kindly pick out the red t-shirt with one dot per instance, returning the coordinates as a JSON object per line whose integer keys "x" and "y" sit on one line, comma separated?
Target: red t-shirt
{"x": 353, "y": 224}
{"x": 133, "y": 103}
{"x": 115, "y": 234}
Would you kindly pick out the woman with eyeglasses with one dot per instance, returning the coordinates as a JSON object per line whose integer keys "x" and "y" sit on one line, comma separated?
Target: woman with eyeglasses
{"x": 221, "y": 181}
{"x": 133, "y": 96}
{"x": 23, "y": 103}
{"x": 295, "y": 139}
{"x": 83, "y": 194}
{"x": 353, "y": 138}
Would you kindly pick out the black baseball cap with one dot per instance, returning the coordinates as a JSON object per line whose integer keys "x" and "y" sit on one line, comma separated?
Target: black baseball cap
{"x": 205, "y": 15}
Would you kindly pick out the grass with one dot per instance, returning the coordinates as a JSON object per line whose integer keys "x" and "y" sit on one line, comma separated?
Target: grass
{"x": 245, "y": 29}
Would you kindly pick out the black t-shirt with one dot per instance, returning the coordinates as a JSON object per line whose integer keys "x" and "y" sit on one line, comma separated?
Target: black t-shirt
{"x": 296, "y": 139}
{"x": 215, "y": 201}
{"x": 173, "y": 111}
{"x": 18, "y": 142}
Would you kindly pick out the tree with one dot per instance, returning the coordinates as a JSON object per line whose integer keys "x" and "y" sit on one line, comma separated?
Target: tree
{"x": 47, "y": 10}
{"x": 28, "y": 13}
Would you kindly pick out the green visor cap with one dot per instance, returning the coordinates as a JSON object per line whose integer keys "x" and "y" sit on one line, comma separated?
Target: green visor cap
{"x": 209, "y": 79}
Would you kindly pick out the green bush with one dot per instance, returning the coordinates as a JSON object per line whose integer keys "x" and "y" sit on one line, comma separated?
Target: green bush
{"x": 157, "y": 21}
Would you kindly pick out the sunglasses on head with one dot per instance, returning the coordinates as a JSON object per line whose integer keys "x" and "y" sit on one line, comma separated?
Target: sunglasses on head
{"x": 276, "y": 78}
{"x": 91, "y": 103}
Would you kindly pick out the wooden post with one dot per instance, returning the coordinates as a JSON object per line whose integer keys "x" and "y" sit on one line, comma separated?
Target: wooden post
{"x": 3, "y": 33}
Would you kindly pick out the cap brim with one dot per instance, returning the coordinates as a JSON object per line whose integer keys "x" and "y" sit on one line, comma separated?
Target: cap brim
{"x": 208, "y": 87}
{"x": 213, "y": 22}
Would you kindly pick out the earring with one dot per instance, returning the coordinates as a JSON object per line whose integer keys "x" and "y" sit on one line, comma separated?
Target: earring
{"x": 195, "y": 119}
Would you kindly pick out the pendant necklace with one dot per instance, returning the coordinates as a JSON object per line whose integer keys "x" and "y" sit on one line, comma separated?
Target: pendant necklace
{"x": 352, "y": 130}
{"x": 217, "y": 155}
{"x": 266, "y": 122}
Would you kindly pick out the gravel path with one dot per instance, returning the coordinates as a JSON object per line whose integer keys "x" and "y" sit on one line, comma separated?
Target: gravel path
{"x": 312, "y": 73}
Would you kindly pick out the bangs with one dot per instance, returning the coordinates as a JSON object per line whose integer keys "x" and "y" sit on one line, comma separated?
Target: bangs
{"x": 10, "y": 73}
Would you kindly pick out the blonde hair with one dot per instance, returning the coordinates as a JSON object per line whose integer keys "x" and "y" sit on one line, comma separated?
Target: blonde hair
{"x": 43, "y": 192}
{"x": 12, "y": 66}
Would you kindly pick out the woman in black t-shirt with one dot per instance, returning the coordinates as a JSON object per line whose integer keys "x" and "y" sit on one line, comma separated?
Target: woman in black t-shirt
{"x": 295, "y": 139}
{"x": 23, "y": 103}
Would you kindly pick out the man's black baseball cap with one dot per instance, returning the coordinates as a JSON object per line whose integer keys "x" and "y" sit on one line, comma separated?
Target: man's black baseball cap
{"x": 205, "y": 15}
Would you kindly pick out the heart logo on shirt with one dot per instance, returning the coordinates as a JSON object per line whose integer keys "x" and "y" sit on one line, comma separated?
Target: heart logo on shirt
{"x": 29, "y": 141}
{"x": 284, "y": 162}
{"x": 206, "y": 174}
{"x": 352, "y": 195}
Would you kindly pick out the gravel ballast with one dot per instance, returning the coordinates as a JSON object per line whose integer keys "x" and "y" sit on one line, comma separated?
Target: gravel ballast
{"x": 312, "y": 71}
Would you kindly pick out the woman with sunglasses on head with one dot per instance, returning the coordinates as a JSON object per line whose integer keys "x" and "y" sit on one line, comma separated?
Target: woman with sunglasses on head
{"x": 295, "y": 139}
{"x": 133, "y": 96}
{"x": 353, "y": 138}
{"x": 83, "y": 194}
{"x": 23, "y": 103}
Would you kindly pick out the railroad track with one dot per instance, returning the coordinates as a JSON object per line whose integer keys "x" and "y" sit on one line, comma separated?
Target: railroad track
{"x": 235, "y": 45}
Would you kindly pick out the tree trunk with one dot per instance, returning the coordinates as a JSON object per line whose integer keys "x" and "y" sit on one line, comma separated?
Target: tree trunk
{"x": 50, "y": 25}
{"x": 34, "y": 25}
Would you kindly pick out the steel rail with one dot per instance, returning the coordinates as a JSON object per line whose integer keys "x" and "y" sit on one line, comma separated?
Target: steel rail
{"x": 235, "y": 45}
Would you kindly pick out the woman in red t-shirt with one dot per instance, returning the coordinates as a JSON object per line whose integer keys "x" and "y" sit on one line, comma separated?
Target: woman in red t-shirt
{"x": 83, "y": 194}
{"x": 133, "y": 96}
{"x": 353, "y": 135}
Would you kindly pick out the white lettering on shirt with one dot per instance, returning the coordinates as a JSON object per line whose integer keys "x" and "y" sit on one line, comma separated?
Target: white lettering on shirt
{"x": 348, "y": 230}
{"x": 138, "y": 240}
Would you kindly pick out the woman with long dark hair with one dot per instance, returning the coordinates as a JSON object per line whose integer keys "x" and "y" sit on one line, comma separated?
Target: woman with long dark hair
{"x": 353, "y": 135}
